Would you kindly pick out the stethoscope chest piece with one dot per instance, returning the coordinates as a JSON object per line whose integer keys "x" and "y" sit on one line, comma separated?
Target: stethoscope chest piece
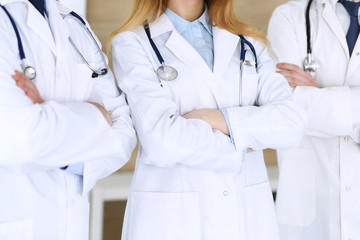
{"x": 30, "y": 72}
{"x": 310, "y": 65}
{"x": 166, "y": 72}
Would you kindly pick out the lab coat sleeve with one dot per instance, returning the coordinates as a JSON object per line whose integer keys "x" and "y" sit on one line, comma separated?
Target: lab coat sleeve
{"x": 165, "y": 136}
{"x": 276, "y": 121}
{"x": 332, "y": 111}
{"x": 39, "y": 137}
{"x": 105, "y": 93}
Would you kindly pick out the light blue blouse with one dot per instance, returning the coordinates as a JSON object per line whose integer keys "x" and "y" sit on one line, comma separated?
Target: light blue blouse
{"x": 198, "y": 33}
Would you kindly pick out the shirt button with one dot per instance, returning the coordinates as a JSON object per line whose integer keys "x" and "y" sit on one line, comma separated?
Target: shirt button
{"x": 225, "y": 193}
{"x": 347, "y": 188}
{"x": 194, "y": 27}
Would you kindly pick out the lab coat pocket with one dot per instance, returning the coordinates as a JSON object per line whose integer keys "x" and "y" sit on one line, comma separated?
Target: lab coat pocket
{"x": 164, "y": 216}
{"x": 83, "y": 82}
{"x": 295, "y": 201}
{"x": 260, "y": 213}
{"x": 249, "y": 88}
{"x": 16, "y": 230}
{"x": 255, "y": 169}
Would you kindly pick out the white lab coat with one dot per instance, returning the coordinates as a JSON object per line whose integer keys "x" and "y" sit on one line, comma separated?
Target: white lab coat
{"x": 38, "y": 200}
{"x": 319, "y": 189}
{"x": 190, "y": 181}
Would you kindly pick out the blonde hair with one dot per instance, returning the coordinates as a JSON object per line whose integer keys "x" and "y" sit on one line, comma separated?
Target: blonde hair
{"x": 222, "y": 15}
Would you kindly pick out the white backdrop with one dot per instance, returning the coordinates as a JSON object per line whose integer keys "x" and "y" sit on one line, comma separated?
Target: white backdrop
{"x": 78, "y": 6}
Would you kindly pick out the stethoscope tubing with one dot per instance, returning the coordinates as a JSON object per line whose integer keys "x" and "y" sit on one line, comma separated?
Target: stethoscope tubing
{"x": 19, "y": 42}
{"x": 102, "y": 71}
{"x": 153, "y": 45}
{"x": 243, "y": 51}
{"x": 308, "y": 27}
{"x": 242, "y": 54}
{"x": 27, "y": 68}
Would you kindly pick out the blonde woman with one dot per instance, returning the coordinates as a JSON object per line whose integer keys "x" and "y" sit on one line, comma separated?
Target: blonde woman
{"x": 196, "y": 113}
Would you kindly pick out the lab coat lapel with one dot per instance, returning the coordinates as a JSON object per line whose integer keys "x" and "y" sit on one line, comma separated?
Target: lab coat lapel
{"x": 332, "y": 20}
{"x": 193, "y": 60}
{"x": 354, "y": 63}
{"x": 39, "y": 25}
{"x": 225, "y": 44}
{"x": 64, "y": 76}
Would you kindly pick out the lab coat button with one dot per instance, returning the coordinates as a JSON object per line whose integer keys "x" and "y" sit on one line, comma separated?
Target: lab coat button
{"x": 347, "y": 188}
{"x": 346, "y": 139}
{"x": 225, "y": 193}
{"x": 357, "y": 54}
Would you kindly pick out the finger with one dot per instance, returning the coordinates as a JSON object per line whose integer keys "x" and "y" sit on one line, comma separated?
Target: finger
{"x": 32, "y": 96}
{"x": 296, "y": 78}
{"x": 294, "y": 68}
{"x": 288, "y": 75}
{"x": 249, "y": 150}
{"x": 287, "y": 66}
{"x": 18, "y": 72}
{"x": 26, "y": 81}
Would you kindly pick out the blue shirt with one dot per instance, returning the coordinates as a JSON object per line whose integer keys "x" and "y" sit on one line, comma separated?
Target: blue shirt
{"x": 198, "y": 33}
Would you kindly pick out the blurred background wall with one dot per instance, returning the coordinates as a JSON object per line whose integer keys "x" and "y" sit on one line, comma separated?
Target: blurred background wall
{"x": 106, "y": 15}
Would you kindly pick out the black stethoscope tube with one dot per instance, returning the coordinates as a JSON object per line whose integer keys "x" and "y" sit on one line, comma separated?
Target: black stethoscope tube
{"x": 308, "y": 27}
{"x": 20, "y": 46}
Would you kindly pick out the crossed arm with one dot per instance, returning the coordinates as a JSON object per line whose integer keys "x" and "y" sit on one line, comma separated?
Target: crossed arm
{"x": 33, "y": 93}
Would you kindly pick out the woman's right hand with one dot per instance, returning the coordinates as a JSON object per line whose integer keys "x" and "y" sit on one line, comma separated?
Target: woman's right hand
{"x": 295, "y": 75}
{"x": 103, "y": 111}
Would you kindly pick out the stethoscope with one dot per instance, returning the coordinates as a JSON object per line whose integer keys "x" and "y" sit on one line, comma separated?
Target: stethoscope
{"x": 30, "y": 71}
{"x": 169, "y": 73}
{"x": 309, "y": 64}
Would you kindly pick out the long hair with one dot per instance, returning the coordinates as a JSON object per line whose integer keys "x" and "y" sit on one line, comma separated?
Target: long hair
{"x": 222, "y": 15}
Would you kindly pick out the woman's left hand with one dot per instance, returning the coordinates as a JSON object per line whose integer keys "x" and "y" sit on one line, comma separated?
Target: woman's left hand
{"x": 212, "y": 116}
{"x": 28, "y": 87}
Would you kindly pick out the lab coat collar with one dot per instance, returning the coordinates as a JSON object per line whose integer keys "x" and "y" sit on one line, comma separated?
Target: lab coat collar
{"x": 225, "y": 44}
{"x": 326, "y": 9}
{"x": 161, "y": 26}
{"x": 185, "y": 52}
{"x": 37, "y": 22}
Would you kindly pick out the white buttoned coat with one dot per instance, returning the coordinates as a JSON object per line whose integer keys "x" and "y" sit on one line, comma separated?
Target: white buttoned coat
{"x": 38, "y": 200}
{"x": 319, "y": 188}
{"x": 191, "y": 182}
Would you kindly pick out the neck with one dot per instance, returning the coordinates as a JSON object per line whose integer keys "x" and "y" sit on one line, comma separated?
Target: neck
{"x": 189, "y": 10}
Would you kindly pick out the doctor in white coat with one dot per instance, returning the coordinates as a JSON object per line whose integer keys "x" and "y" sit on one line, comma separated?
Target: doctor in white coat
{"x": 40, "y": 199}
{"x": 192, "y": 181}
{"x": 319, "y": 189}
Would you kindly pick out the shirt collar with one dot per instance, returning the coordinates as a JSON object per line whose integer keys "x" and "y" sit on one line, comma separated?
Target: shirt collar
{"x": 180, "y": 24}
